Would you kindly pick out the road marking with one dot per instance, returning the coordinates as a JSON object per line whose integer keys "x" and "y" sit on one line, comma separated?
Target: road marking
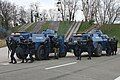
{"x": 60, "y": 65}
{"x": 118, "y": 78}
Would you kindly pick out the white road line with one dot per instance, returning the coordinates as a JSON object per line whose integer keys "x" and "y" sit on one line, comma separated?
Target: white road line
{"x": 60, "y": 65}
{"x": 118, "y": 78}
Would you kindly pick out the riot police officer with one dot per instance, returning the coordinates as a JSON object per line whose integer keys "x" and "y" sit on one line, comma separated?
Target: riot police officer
{"x": 90, "y": 47}
{"x": 13, "y": 46}
{"x": 115, "y": 41}
{"x": 24, "y": 47}
{"x": 78, "y": 49}
{"x": 112, "y": 46}
{"x": 108, "y": 47}
{"x": 55, "y": 47}
{"x": 31, "y": 48}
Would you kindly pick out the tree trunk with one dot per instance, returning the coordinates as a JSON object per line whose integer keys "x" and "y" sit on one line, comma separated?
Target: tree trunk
{"x": 31, "y": 16}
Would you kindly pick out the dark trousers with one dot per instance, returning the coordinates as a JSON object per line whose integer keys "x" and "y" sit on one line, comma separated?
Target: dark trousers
{"x": 108, "y": 51}
{"x": 12, "y": 56}
{"x": 89, "y": 52}
{"x": 31, "y": 58}
{"x": 56, "y": 52}
{"x": 79, "y": 54}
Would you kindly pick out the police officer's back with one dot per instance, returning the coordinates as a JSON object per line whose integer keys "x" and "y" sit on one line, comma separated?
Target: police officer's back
{"x": 90, "y": 47}
{"x": 31, "y": 47}
{"x": 55, "y": 47}
{"x": 115, "y": 41}
{"x": 78, "y": 49}
{"x": 108, "y": 47}
{"x": 112, "y": 46}
{"x": 13, "y": 46}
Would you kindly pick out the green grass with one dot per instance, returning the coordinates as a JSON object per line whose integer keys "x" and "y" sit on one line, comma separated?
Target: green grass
{"x": 64, "y": 27}
{"x": 30, "y": 28}
{"x": 112, "y": 30}
{"x": 45, "y": 26}
{"x": 84, "y": 26}
{"x": 15, "y": 29}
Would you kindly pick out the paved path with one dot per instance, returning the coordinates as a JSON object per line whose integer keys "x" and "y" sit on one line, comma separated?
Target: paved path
{"x": 38, "y": 26}
{"x": 99, "y": 68}
{"x": 73, "y": 29}
{"x": 4, "y": 54}
{"x": 54, "y": 25}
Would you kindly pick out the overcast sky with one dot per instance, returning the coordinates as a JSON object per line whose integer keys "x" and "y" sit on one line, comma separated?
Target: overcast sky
{"x": 44, "y": 4}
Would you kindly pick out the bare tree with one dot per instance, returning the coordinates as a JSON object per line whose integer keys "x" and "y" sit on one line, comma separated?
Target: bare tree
{"x": 103, "y": 11}
{"x": 68, "y": 8}
{"x": 14, "y": 15}
{"x": 89, "y": 8}
{"x": 22, "y": 14}
{"x": 52, "y": 14}
{"x": 34, "y": 8}
{"x": 85, "y": 6}
{"x": 7, "y": 10}
{"x": 109, "y": 11}
{"x": 72, "y": 8}
{"x": 113, "y": 13}
{"x": 61, "y": 4}
{"x": 44, "y": 15}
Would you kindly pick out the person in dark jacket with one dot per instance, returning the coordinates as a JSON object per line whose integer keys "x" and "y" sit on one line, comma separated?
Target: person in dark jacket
{"x": 24, "y": 47}
{"x": 55, "y": 47}
{"x": 13, "y": 46}
{"x": 78, "y": 49}
{"x": 115, "y": 42}
{"x": 90, "y": 47}
{"x": 31, "y": 48}
{"x": 108, "y": 47}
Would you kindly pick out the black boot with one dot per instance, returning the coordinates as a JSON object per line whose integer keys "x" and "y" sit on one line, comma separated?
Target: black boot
{"x": 15, "y": 62}
{"x": 89, "y": 58}
{"x": 78, "y": 58}
{"x": 115, "y": 53}
{"x": 31, "y": 61}
{"x": 26, "y": 60}
{"x": 11, "y": 62}
{"x": 22, "y": 61}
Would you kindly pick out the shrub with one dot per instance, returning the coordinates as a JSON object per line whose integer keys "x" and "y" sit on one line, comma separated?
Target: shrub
{"x": 91, "y": 22}
{"x": 3, "y": 32}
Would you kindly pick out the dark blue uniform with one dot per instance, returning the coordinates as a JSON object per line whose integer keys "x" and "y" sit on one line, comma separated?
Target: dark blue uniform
{"x": 108, "y": 48}
{"x": 78, "y": 49}
{"x": 13, "y": 46}
{"x": 31, "y": 48}
{"x": 55, "y": 47}
{"x": 114, "y": 43}
{"x": 90, "y": 47}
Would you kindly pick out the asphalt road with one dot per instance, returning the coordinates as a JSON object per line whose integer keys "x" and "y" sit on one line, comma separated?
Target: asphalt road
{"x": 99, "y": 68}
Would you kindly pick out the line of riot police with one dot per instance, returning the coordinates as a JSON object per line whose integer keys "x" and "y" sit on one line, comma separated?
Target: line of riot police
{"x": 111, "y": 47}
{"x": 23, "y": 48}
{"x": 86, "y": 43}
